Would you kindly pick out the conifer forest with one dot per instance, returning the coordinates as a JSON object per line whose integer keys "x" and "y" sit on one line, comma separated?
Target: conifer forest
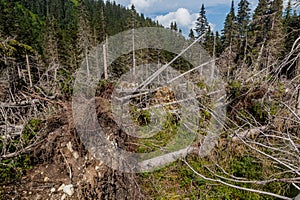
{"x": 255, "y": 155}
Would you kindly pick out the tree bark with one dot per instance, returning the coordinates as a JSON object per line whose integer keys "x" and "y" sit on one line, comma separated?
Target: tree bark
{"x": 105, "y": 61}
{"x": 28, "y": 69}
{"x": 298, "y": 103}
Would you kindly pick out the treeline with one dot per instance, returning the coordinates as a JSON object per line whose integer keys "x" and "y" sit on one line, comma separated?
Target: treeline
{"x": 61, "y": 30}
{"x": 259, "y": 40}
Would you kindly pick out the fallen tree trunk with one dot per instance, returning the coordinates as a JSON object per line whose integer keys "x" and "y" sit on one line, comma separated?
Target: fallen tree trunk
{"x": 248, "y": 133}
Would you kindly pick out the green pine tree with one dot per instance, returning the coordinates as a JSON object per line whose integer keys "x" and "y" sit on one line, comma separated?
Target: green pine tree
{"x": 201, "y": 23}
{"x": 229, "y": 33}
{"x": 288, "y": 11}
{"x": 191, "y": 35}
{"x": 243, "y": 17}
{"x": 291, "y": 24}
{"x": 243, "y": 20}
{"x": 209, "y": 41}
{"x": 260, "y": 21}
{"x": 275, "y": 40}
{"x": 266, "y": 33}
{"x": 218, "y": 44}
{"x": 258, "y": 33}
{"x": 132, "y": 21}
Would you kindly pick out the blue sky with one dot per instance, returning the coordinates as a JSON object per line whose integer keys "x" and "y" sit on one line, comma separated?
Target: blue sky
{"x": 184, "y": 12}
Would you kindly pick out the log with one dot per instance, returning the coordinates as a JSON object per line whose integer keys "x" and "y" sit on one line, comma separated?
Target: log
{"x": 28, "y": 69}
{"x": 298, "y": 103}
{"x": 248, "y": 133}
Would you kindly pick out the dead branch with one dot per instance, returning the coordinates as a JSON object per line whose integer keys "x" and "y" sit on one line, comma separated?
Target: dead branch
{"x": 234, "y": 186}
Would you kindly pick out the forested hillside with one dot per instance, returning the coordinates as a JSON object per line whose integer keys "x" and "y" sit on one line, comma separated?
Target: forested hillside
{"x": 256, "y": 156}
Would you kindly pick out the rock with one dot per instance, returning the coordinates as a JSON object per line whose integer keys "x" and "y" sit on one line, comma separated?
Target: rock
{"x": 61, "y": 187}
{"x": 75, "y": 154}
{"x": 38, "y": 197}
{"x": 63, "y": 197}
{"x": 68, "y": 189}
{"x": 46, "y": 179}
{"x": 69, "y": 146}
{"x": 52, "y": 190}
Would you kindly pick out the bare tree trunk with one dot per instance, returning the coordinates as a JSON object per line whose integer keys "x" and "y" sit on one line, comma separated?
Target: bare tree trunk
{"x": 297, "y": 73}
{"x": 55, "y": 73}
{"x": 298, "y": 103}
{"x": 97, "y": 53}
{"x": 133, "y": 52}
{"x": 19, "y": 71}
{"x": 87, "y": 64}
{"x": 105, "y": 60}
{"x": 214, "y": 63}
{"x": 245, "y": 49}
{"x": 297, "y": 70}
{"x": 28, "y": 69}
{"x": 260, "y": 54}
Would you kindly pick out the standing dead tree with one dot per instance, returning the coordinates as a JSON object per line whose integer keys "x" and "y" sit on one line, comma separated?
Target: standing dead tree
{"x": 21, "y": 113}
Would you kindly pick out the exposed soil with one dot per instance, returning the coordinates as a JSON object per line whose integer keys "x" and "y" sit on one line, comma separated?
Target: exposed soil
{"x": 62, "y": 159}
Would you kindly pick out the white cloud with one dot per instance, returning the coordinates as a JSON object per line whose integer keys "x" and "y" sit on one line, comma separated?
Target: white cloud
{"x": 141, "y": 4}
{"x": 183, "y": 18}
{"x": 152, "y": 7}
{"x": 212, "y": 26}
{"x": 184, "y": 12}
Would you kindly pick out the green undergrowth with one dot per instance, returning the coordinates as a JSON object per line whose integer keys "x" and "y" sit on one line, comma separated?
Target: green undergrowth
{"x": 162, "y": 138}
{"x": 178, "y": 181}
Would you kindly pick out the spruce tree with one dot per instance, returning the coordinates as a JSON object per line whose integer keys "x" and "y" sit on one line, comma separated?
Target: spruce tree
{"x": 288, "y": 11}
{"x": 209, "y": 41}
{"x": 276, "y": 28}
{"x": 201, "y": 23}
{"x": 98, "y": 21}
{"x": 275, "y": 46}
{"x": 132, "y": 21}
{"x": 243, "y": 17}
{"x": 258, "y": 33}
{"x": 267, "y": 32}
{"x": 173, "y": 26}
{"x": 191, "y": 35}
{"x": 103, "y": 32}
{"x": 218, "y": 45}
{"x": 67, "y": 34}
{"x": 51, "y": 46}
{"x": 291, "y": 24}
{"x": 84, "y": 34}
{"x": 229, "y": 33}
{"x": 260, "y": 21}
{"x": 243, "y": 20}
{"x": 291, "y": 27}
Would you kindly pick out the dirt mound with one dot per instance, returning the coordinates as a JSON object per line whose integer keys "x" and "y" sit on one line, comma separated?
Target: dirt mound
{"x": 65, "y": 170}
